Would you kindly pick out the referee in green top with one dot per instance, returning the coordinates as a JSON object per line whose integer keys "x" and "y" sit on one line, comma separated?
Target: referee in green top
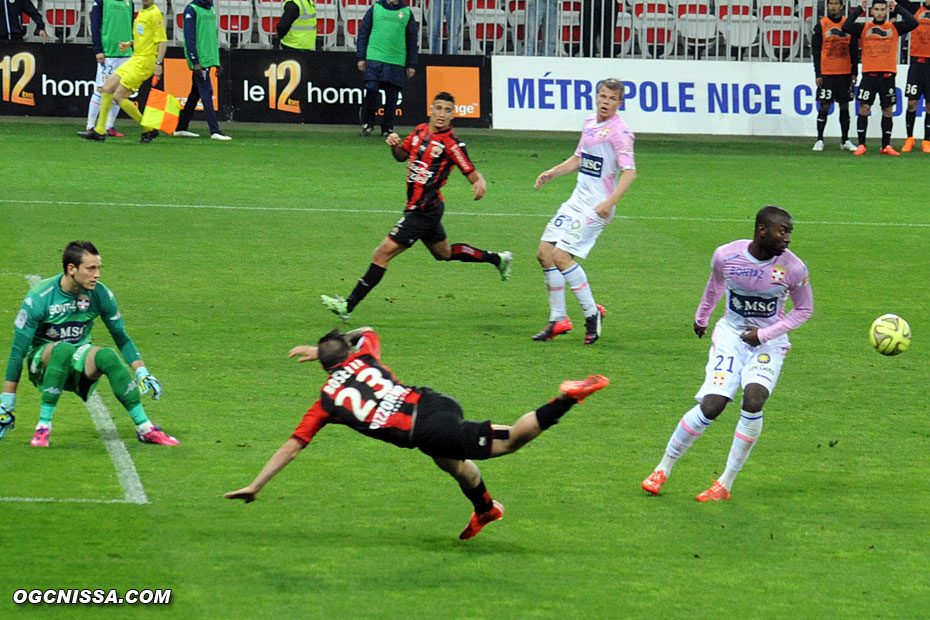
{"x": 202, "y": 49}
{"x": 386, "y": 48}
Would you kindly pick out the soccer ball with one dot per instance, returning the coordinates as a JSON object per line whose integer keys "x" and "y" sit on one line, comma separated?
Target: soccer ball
{"x": 890, "y": 334}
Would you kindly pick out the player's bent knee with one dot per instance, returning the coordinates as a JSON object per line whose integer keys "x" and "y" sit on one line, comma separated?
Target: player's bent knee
{"x": 59, "y": 354}
{"x": 713, "y": 405}
{"x": 754, "y": 397}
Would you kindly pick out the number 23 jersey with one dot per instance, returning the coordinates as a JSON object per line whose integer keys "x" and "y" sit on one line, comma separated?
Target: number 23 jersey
{"x": 364, "y": 394}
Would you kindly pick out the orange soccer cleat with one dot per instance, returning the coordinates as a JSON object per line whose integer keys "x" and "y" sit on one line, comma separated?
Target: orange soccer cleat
{"x": 860, "y": 150}
{"x": 925, "y": 146}
{"x": 715, "y": 493}
{"x": 479, "y": 521}
{"x": 553, "y": 329}
{"x": 579, "y": 390}
{"x": 889, "y": 150}
{"x": 908, "y": 145}
{"x": 653, "y": 484}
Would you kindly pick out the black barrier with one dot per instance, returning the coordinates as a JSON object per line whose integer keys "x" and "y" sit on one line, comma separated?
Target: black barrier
{"x": 276, "y": 86}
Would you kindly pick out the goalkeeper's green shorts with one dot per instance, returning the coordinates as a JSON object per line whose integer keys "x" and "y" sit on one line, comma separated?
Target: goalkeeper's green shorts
{"x": 77, "y": 381}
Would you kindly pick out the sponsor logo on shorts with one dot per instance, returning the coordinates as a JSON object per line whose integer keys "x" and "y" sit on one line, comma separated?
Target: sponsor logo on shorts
{"x": 754, "y": 307}
{"x": 764, "y": 358}
{"x": 591, "y": 165}
{"x": 719, "y": 378}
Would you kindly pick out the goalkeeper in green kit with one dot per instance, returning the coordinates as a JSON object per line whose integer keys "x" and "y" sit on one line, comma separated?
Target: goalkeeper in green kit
{"x": 53, "y": 337}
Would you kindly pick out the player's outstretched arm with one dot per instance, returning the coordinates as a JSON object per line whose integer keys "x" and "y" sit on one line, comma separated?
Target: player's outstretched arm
{"x": 279, "y": 460}
{"x": 570, "y": 165}
{"x": 307, "y": 353}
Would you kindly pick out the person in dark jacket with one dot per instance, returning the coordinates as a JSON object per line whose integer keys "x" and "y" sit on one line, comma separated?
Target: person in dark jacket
{"x": 387, "y": 51}
{"x": 11, "y": 20}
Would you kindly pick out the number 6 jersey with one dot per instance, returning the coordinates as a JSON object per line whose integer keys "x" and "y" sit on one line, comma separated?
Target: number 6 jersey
{"x": 364, "y": 394}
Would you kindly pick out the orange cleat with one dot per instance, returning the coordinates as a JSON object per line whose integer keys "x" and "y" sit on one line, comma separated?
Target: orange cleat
{"x": 925, "y": 146}
{"x": 715, "y": 493}
{"x": 553, "y": 329}
{"x": 579, "y": 390}
{"x": 889, "y": 150}
{"x": 479, "y": 521}
{"x": 908, "y": 145}
{"x": 860, "y": 150}
{"x": 653, "y": 484}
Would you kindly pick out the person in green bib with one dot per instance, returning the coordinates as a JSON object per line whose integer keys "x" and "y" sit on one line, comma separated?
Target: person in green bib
{"x": 52, "y": 337}
{"x": 387, "y": 51}
{"x": 110, "y": 23}
{"x": 202, "y": 49}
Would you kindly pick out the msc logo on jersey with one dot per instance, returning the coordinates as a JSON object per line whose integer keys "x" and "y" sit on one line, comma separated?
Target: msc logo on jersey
{"x": 83, "y": 302}
{"x": 757, "y": 307}
{"x": 764, "y": 358}
{"x": 591, "y": 165}
{"x": 778, "y": 273}
{"x": 66, "y": 332}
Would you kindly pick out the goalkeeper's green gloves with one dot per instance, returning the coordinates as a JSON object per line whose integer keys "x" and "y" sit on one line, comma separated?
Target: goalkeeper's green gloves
{"x": 148, "y": 381}
{"x": 7, "y": 406}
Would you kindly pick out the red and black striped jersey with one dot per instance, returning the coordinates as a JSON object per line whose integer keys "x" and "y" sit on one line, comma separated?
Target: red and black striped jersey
{"x": 432, "y": 156}
{"x": 363, "y": 394}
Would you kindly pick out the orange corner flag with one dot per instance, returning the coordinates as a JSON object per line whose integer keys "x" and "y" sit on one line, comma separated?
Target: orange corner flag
{"x": 161, "y": 111}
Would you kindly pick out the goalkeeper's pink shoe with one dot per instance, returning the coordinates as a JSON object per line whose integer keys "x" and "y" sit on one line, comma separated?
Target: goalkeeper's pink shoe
{"x": 156, "y": 435}
{"x": 715, "y": 493}
{"x": 40, "y": 439}
{"x": 579, "y": 390}
{"x": 653, "y": 484}
{"x": 479, "y": 521}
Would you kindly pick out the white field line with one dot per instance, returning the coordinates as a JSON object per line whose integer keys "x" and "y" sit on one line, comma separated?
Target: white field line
{"x": 125, "y": 468}
{"x": 452, "y": 212}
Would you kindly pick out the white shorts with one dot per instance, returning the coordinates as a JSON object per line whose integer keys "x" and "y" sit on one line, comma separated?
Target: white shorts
{"x": 109, "y": 65}
{"x": 574, "y": 229}
{"x": 732, "y": 363}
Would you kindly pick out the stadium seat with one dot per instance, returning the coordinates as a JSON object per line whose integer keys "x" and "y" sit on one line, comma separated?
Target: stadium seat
{"x": 569, "y": 25}
{"x": 807, "y": 11}
{"x": 176, "y": 20}
{"x": 516, "y": 19}
{"x": 738, "y": 25}
{"x": 62, "y": 19}
{"x": 269, "y": 14}
{"x": 781, "y": 36}
{"x": 235, "y": 22}
{"x": 623, "y": 33}
{"x": 444, "y": 35}
{"x": 487, "y": 24}
{"x": 351, "y": 13}
{"x": 655, "y": 28}
{"x": 327, "y": 24}
{"x": 779, "y": 8}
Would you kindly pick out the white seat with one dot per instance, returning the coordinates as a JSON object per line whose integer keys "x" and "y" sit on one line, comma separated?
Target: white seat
{"x": 781, "y": 37}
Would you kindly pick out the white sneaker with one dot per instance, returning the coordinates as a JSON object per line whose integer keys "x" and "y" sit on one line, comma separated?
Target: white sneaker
{"x": 185, "y": 134}
{"x": 818, "y": 145}
{"x": 219, "y": 136}
{"x": 848, "y": 146}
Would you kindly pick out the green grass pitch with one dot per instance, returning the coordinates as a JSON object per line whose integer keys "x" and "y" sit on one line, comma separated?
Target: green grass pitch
{"x": 218, "y": 254}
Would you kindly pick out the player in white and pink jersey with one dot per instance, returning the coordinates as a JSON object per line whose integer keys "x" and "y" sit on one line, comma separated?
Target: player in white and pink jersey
{"x": 605, "y": 148}
{"x": 748, "y": 344}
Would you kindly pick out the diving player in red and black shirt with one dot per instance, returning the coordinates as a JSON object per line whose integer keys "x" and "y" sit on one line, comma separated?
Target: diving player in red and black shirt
{"x": 363, "y": 394}
{"x": 431, "y": 152}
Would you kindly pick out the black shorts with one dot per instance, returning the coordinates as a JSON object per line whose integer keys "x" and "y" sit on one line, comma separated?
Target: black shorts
{"x": 838, "y": 88}
{"x": 880, "y": 84}
{"x": 416, "y": 225}
{"x": 918, "y": 79}
{"x": 440, "y": 429}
